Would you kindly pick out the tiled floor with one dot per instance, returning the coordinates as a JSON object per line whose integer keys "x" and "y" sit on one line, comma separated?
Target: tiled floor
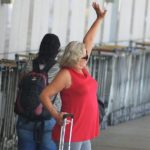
{"x": 132, "y": 135}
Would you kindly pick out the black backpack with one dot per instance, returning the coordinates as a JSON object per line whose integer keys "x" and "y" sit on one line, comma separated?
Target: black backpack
{"x": 27, "y": 103}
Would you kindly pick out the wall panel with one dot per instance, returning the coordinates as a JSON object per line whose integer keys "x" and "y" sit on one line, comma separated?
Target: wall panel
{"x": 139, "y": 16}
{"x": 19, "y": 26}
{"x": 3, "y": 25}
{"x": 147, "y": 33}
{"x": 125, "y": 20}
{"x": 39, "y": 22}
{"x": 60, "y": 19}
{"x": 77, "y": 20}
{"x": 107, "y": 24}
{"x": 70, "y": 20}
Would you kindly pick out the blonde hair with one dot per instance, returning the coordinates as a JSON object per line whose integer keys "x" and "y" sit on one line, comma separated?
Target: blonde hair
{"x": 73, "y": 52}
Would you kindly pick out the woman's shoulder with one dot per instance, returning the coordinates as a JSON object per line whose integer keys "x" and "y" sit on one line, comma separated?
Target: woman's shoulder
{"x": 64, "y": 72}
{"x": 64, "y": 76}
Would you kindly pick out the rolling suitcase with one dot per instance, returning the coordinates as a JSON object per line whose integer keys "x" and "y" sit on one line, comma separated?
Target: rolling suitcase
{"x": 63, "y": 129}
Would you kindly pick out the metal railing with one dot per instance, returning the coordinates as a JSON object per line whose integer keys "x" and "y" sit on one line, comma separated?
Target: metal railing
{"x": 8, "y": 84}
{"x": 123, "y": 75}
{"x": 10, "y": 71}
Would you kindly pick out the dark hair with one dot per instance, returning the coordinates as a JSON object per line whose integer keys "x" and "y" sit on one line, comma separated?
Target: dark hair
{"x": 48, "y": 50}
{"x": 49, "y": 47}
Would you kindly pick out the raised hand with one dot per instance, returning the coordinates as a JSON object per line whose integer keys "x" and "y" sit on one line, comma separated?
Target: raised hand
{"x": 99, "y": 11}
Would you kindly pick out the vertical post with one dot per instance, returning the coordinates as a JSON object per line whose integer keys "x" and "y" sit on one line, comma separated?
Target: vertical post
{"x": 145, "y": 20}
{"x": 30, "y": 23}
{"x": 132, "y": 19}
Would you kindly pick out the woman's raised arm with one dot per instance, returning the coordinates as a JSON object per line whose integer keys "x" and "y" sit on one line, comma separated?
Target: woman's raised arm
{"x": 90, "y": 35}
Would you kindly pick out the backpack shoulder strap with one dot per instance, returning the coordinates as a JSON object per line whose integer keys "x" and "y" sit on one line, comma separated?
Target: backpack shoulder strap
{"x": 49, "y": 65}
{"x": 53, "y": 101}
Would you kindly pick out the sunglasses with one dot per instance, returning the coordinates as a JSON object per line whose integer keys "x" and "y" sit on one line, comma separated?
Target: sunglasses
{"x": 85, "y": 57}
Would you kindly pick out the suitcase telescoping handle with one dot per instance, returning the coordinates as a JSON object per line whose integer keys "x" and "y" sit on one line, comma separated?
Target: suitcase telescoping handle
{"x": 63, "y": 129}
{"x": 67, "y": 116}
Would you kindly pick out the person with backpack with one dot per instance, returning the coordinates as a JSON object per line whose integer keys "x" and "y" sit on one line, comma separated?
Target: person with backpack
{"x": 78, "y": 91}
{"x": 35, "y": 124}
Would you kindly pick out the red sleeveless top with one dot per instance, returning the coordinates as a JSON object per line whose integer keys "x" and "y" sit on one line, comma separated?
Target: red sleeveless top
{"x": 80, "y": 99}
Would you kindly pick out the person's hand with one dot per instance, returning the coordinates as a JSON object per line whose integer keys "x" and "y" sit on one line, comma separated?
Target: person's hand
{"x": 99, "y": 11}
{"x": 59, "y": 119}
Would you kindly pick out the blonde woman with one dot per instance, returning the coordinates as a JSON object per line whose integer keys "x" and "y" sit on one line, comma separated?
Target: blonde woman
{"x": 78, "y": 90}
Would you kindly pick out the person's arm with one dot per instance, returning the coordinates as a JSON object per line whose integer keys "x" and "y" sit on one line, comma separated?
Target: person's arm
{"x": 60, "y": 82}
{"x": 90, "y": 35}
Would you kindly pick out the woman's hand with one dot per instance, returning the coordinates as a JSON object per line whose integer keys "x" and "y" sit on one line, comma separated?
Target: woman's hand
{"x": 99, "y": 11}
{"x": 59, "y": 118}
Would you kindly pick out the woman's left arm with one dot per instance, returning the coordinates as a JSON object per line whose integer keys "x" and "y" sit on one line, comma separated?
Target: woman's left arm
{"x": 90, "y": 35}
